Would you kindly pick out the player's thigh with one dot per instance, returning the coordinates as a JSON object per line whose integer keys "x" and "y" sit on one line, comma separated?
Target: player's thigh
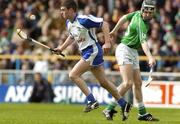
{"x": 137, "y": 77}
{"x": 80, "y": 67}
{"x": 126, "y": 71}
{"x": 99, "y": 73}
{"x": 124, "y": 59}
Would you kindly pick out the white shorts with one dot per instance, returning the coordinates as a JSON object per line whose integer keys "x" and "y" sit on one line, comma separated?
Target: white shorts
{"x": 126, "y": 55}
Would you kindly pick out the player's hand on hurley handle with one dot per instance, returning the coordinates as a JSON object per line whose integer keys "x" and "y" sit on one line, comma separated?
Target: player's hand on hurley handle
{"x": 112, "y": 34}
{"x": 57, "y": 52}
{"x": 107, "y": 47}
{"x": 152, "y": 62}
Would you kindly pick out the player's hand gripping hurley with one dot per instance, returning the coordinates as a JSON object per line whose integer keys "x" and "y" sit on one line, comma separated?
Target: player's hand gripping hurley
{"x": 149, "y": 78}
{"x": 24, "y": 36}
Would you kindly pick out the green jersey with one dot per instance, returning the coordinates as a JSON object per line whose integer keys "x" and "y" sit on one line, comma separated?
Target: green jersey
{"x": 136, "y": 33}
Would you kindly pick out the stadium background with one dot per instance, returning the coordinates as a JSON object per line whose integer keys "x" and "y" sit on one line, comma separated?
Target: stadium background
{"x": 19, "y": 59}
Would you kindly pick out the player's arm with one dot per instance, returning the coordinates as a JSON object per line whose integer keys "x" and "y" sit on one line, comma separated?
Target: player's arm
{"x": 95, "y": 22}
{"x": 105, "y": 29}
{"x": 121, "y": 21}
{"x": 67, "y": 42}
{"x": 147, "y": 52}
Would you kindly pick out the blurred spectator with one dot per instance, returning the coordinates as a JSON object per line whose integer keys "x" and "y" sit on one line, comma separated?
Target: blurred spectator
{"x": 42, "y": 90}
{"x": 17, "y": 63}
{"x": 116, "y": 15}
{"x": 4, "y": 42}
{"x": 169, "y": 35}
{"x": 100, "y": 10}
{"x": 177, "y": 26}
{"x": 40, "y": 65}
{"x": 131, "y": 5}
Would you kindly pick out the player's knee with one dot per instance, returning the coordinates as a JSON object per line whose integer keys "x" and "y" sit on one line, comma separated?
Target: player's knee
{"x": 128, "y": 84}
{"x": 72, "y": 76}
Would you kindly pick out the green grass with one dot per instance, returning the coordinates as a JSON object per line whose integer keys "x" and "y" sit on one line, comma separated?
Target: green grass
{"x": 72, "y": 114}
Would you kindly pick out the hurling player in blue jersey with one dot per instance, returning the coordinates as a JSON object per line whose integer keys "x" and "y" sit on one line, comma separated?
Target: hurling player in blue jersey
{"x": 81, "y": 30}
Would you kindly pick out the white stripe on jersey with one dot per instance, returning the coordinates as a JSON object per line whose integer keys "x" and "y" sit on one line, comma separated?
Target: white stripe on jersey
{"x": 91, "y": 17}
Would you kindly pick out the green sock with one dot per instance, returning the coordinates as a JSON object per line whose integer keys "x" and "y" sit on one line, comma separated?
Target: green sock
{"x": 141, "y": 108}
{"x": 111, "y": 106}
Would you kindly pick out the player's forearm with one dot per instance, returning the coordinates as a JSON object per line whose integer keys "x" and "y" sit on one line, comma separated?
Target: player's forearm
{"x": 105, "y": 29}
{"x": 146, "y": 50}
{"x": 121, "y": 21}
{"x": 67, "y": 42}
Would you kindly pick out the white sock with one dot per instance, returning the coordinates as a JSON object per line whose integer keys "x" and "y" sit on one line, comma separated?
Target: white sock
{"x": 140, "y": 105}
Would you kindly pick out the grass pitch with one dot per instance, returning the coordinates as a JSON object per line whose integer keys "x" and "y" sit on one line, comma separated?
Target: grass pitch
{"x": 72, "y": 114}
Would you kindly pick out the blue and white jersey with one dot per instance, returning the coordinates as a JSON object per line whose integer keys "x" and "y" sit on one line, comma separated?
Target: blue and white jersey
{"x": 82, "y": 29}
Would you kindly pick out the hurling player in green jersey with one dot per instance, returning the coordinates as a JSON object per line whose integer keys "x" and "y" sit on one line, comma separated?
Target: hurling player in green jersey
{"x": 127, "y": 56}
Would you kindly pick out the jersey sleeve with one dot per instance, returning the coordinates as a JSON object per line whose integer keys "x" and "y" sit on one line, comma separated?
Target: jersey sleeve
{"x": 130, "y": 15}
{"x": 90, "y": 21}
{"x": 67, "y": 26}
{"x": 142, "y": 31}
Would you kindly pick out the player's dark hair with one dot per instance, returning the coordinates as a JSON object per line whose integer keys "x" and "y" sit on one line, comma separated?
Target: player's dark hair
{"x": 70, "y": 4}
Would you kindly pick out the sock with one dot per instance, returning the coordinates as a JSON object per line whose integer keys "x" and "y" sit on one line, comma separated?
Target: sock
{"x": 90, "y": 98}
{"x": 121, "y": 102}
{"x": 141, "y": 108}
{"x": 111, "y": 106}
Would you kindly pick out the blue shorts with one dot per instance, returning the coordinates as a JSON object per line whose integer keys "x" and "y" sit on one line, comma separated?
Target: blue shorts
{"x": 94, "y": 54}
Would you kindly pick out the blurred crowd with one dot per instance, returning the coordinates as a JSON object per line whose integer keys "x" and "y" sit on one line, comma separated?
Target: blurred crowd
{"x": 42, "y": 21}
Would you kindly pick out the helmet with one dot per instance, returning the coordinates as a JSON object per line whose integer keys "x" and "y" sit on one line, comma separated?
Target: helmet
{"x": 148, "y": 5}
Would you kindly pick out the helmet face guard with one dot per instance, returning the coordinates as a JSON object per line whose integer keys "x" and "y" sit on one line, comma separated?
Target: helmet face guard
{"x": 149, "y": 9}
{"x": 148, "y": 6}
